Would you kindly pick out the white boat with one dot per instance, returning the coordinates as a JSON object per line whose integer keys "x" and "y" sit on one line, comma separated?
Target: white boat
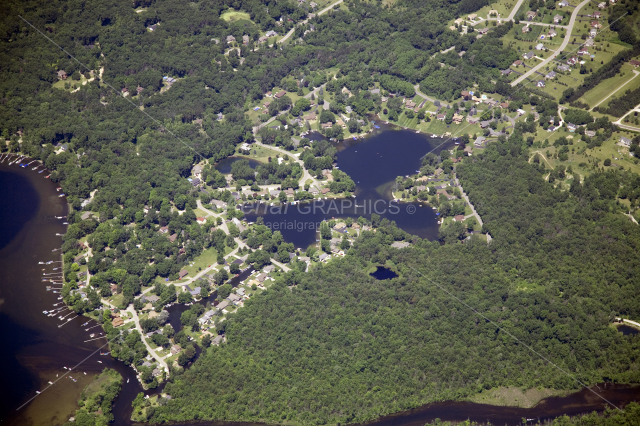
{"x": 45, "y": 312}
{"x": 38, "y": 392}
{"x": 92, "y": 335}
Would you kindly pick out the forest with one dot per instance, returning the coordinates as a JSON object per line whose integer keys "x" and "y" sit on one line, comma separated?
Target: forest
{"x": 332, "y": 345}
{"x": 342, "y": 347}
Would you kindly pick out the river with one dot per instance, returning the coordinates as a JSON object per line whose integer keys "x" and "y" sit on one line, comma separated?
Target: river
{"x": 35, "y": 349}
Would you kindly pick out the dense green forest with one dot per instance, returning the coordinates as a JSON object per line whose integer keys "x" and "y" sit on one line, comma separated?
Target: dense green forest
{"x": 342, "y": 347}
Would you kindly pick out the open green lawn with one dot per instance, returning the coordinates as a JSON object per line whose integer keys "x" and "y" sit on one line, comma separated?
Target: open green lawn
{"x": 262, "y": 154}
{"x": 631, "y": 85}
{"x": 608, "y": 86}
{"x": 234, "y": 15}
{"x": 580, "y": 155}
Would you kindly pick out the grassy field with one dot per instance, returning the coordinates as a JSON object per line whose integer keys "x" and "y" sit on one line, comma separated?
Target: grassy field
{"x": 608, "y": 86}
{"x": 234, "y": 15}
{"x": 631, "y": 85}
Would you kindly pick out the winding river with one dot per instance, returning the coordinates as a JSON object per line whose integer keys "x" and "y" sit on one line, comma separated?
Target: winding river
{"x": 36, "y": 348}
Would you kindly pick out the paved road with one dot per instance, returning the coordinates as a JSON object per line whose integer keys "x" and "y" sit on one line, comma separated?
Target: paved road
{"x": 284, "y": 268}
{"x": 635, "y": 74}
{"x": 305, "y": 173}
{"x": 418, "y": 92}
{"x": 567, "y": 37}
{"x": 473, "y": 209}
{"x": 292, "y": 30}
{"x": 151, "y": 351}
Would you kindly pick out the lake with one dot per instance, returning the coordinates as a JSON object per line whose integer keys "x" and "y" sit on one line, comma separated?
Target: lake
{"x": 373, "y": 163}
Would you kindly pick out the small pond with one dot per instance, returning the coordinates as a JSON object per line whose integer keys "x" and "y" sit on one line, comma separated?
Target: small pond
{"x": 383, "y": 273}
{"x": 224, "y": 166}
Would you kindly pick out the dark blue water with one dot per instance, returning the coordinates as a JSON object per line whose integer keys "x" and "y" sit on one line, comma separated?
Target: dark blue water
{"x": 224, "y": 166}
{"x": 628, "y": 330}
{"x": 383, "y": 273}
{"x": 373, "y": 163}
{"x": 19, "y": 204}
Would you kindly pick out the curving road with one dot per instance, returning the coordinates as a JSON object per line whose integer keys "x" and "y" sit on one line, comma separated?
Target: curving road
{"x": 323, "y": 11}
{"x": 567, "y": 38}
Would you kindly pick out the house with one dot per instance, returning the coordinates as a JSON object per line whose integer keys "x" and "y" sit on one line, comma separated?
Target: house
{"x": 173, "y": 237}
{"x": 563, "y": 3}
{"x": 590, "y": 133}
{"x": 441, "y": 117}
{"x": 280, "y": 94}
{"x": 572, "y": 60}
{"x": 195, "y": 292}
{"x": 550, "y": 75}
{"x": 551, "y": 129}
{"x": 539, "y": 46}
{"x": 314, "y": 191}
{"x": 114, "y": 288}
{"x": 472, "y": 120}
{"x": 540, "y": 83}
{"x": 635, "y": 63}
{"x": 517, "y": 63}
{"x": 183, "y": 273}
{"x": 612, "y": 1}
{"x": 483, "y": 31}
{"x": 485, "y": 124}
{"x": 526, "y": 29}
{"x": 197, "y": 170}
{"x": 245, "y": 39}
{"x": 290, "y": 192}
{"x": 457, "y": 118}
{"x": 472, "y": 16}
{"x": 400, "y": 244}
{"x": 348, "y": 109}
{"x": 593, "y": 33}
{"x": 506, "y": 72}
{"x": 465, "y": 95}
{"x": 602, "y": 5}
{"x": 327, "y": 125}
{"x": 528, "y": 55}
{"x": 117, "y": 322}
{"x": 310, "y": 116}
{"x": 323, "y": 257}
{"x": 263, "y": 39}
{"x": 410, "y": 105}
{"x": 175, "y": 349}
{"x": 230, "y": 39}
{"x": 625, "y": 141}
{"x": 196, "y": 182}
{"x": 62, "y": 75}
{"x": 557, "y": 19}
{"x": 588, "y": 42}
{"x": 261, "y": 277}
{"x": 340, "y": 123}
{"x": 269, "y": 268}
{"x": 583, "y": 51}
{"x": 151, "y": 298}
{"x": 552, "y": 33}
{"x": 219, "y": 204}
{"x": 324, "y": 191}
{"x": 596, "y": 24}
{"x": 596, "y": 15}
{"x": 271, "y": 33}
{"x": 222, "y": 305}
{"x": 572, "y": 127}
{"x": 233, "y": 297}
{"x": 217, "y": 340}
{"x": 504, "y": 105}
{"x": 458, "y": 217}
{"x": 564, "y": 68}
{"x": 531, "y": 14}
{"x": 201, "y": 220}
